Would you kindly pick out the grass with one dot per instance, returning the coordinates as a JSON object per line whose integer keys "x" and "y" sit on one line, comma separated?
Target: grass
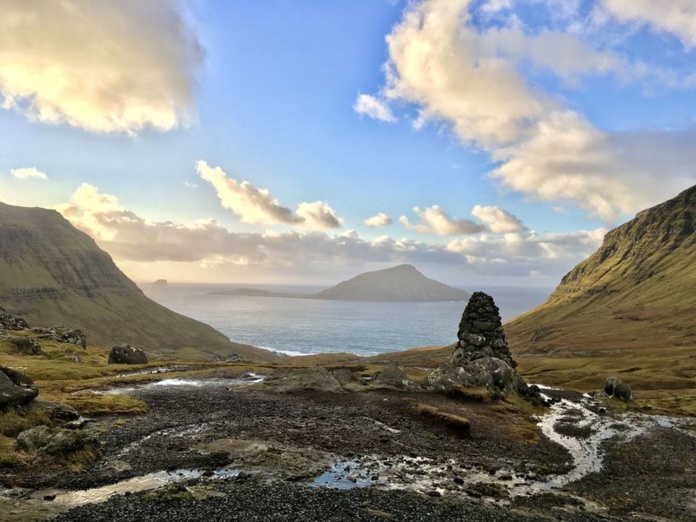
{"x": 12, "y": 423}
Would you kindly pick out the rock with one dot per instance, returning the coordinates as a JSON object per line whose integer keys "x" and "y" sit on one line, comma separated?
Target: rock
{"x": 24, "y": 345}
{"x": 615, "y": 387}
{"x": 481, "y": 358}
{"x": 57, "y": 411}
{"x": 54, "y": 441}
{"x": 62, "y": 334}
{"x": 480, "y": 332}
{"x": 344, "y": 376}
{"x": 127, "y": 354}
{"x": 392, "y": 378}
{"x": 295, "y": 379}
{"x": 15, "y": 388}
{"x": 10, "y": 322}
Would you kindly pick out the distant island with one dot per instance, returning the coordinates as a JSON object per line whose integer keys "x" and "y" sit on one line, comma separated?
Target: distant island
{"x": 402, "y": 283}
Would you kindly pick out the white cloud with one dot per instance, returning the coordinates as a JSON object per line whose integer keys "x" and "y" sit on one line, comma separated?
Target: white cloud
{"x": 379, "y": 220}
{"x": 471, "y": 78}
{"x": 318, "y": 216}
{"x": 375, "y": 108}
{"x": 497, "y": 220}
{"x": 100, "y": 66}
{"x": 434, "y": 220}
{"x": 255, "y": 205}
{"x": 677, "y": 17}
{"x": 28, "y": 173}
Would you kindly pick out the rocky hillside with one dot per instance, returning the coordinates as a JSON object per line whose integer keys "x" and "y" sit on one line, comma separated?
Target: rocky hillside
{"x": 399, "y": 283}
{"x": 635, "y": 293}
{"x": 51, "y": 273}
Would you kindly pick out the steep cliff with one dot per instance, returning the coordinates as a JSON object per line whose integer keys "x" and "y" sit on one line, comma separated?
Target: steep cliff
{"x": 51, "y": 273}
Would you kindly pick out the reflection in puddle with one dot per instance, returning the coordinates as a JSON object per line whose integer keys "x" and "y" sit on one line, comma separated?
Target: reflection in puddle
{"x": 136, "y": 484}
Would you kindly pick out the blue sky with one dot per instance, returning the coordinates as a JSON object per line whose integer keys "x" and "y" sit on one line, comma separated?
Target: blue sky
{"x": 489, "y": 141}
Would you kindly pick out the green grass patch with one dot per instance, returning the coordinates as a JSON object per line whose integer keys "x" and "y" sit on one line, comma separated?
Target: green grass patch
{"x": 12, "y": 423}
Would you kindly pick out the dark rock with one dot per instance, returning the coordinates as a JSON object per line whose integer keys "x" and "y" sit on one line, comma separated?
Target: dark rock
{"x": 62, "y": 334}
{"x": 127, "y": 354}
{"x": 392, "y": 378}
{"x": 54, "y": 441}
{"x": 15, "y": 388}
{"x": 480, "y": 333}
{"x": 57, "y": 411}
{"x": 10, "y": 322}
{"x": 615, "y": 387}
{"x": 24, "y": 345}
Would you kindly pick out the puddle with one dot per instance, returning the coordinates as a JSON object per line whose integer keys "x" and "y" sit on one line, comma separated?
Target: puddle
{"x": 144, "y": 483}
{"x": 349, "y": 474}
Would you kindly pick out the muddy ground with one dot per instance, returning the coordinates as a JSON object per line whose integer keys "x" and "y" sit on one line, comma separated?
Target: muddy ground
{"x": 259, "y": 454}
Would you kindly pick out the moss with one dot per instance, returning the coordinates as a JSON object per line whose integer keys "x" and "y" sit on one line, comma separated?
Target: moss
{"x": 12, "y": 423}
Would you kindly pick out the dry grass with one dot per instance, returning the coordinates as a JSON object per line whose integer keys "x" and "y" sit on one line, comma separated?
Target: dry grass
{"x": 460, "y": 424}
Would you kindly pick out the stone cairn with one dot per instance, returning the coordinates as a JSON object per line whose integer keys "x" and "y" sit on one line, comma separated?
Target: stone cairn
{"x": 481, "y": 333}
{"x": 481, "y": 358}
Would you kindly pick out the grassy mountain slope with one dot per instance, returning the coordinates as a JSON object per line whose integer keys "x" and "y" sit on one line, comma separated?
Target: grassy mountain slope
{"x": 51, "y": 273}
{"x": 629, "y": 308}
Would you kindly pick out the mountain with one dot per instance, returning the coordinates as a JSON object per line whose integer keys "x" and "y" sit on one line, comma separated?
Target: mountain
{"x": 399, "y": 283}
{"x": 636, "y": 294}
{"x": 51, "y": 273}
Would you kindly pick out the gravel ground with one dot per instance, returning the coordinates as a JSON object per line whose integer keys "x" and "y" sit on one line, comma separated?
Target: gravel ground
{"x": 286, "y": 439}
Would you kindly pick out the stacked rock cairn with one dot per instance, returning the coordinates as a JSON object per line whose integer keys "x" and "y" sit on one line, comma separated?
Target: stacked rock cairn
{"x": 481, "y": 333}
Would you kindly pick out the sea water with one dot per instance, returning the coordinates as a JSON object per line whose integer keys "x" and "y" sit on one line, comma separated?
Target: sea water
{"x": 305, "y": 326}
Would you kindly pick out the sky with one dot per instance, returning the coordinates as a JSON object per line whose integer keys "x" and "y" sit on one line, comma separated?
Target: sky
{"x": 304, "y": 141}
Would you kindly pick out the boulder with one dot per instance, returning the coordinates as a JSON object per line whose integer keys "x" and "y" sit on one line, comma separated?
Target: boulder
{"x": 344, "y": 376}
{"x": 488, "y": 372}
{"x": 55, "y": 410}
{"x": 15, "y": 388}
{"x": 392, "y": 378}
{"x": 615, "y": 387}
{"x": 127, "y": 354}
{"x": 24, "y": 345}
{"x": 10, "y": 322}
{"x": 54, "y": 441}
{"x": 62, "y": 334}
{"x": 296, "y": 379}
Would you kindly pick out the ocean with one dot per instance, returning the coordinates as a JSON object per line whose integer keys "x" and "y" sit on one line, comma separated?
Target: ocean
{"x": 308, "y": 326}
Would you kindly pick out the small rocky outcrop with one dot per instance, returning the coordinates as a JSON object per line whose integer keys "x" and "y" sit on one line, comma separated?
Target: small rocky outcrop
{"x": 24, "y": 345}
{"x": 10, "y": 322}
{"x": 55, "y": 410}
{"x": 615, "y": 387}
{"x": 15, "y": 388}
{"x": 481, "y": 357}
{"x": 62, "y": 334}
{"x": 392, "y": 378}
{"x": 54, "y": 441}
{"x": 127, "y": 354}
{"x": 296, "y": 379}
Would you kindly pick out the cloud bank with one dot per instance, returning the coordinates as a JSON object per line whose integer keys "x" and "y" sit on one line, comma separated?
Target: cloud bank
{"x": 131, "y": 238}
{"x": 100, "y": 66}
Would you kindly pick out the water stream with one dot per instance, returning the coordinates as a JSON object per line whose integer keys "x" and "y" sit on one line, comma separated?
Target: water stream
{"x": 575, "y": 425}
